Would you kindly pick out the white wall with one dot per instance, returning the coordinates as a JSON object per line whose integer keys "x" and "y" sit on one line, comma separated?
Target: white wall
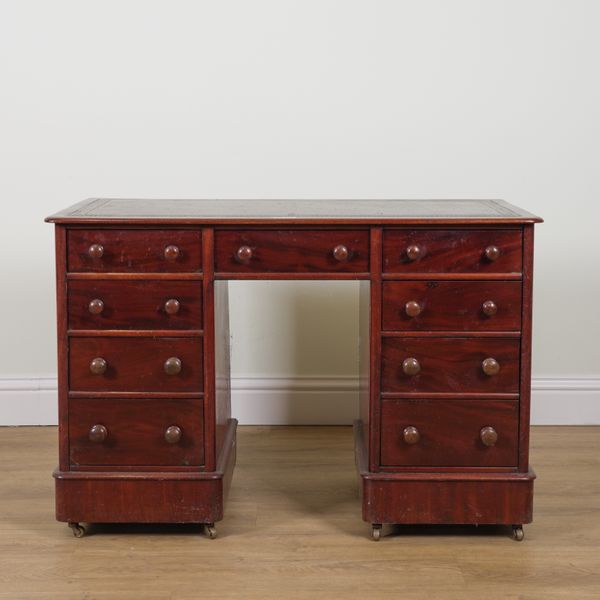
{"x": 307, "y": 99}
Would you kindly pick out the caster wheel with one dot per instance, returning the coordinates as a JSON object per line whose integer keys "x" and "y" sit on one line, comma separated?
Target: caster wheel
{"x": 211, "y": 530}
{"x": 376, "y": 532}
{"x": 518, "y": 533}
{"x": 77, "y": 529}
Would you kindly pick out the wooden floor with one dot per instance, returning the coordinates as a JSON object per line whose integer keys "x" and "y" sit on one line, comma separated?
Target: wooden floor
{"x": 293, "y": 530}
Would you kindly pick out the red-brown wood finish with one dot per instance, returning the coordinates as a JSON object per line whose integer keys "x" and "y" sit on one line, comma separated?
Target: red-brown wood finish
{"x": 291, "y": 251}
{"x": 443, "y": 497}
{"x": 452, "y": 250}
{"x": 449, "y": 433}
{"x": 136, "y": 432}
{"x": 145, "y": 428}
{"x": 135, "y": 364}
{"x": 132, "y": 250}
{"x": 452, "y": 305}
{"x": 138, "y": 304}
{"x": 450, "y": 365}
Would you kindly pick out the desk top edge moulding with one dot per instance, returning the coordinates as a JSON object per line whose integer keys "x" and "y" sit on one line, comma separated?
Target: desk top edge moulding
{"x": 300, "y": 211}
{"x": 146, "y": 432}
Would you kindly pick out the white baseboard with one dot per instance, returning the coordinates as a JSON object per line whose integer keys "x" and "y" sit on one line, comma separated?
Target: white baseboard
{"x": 309, "y": 400}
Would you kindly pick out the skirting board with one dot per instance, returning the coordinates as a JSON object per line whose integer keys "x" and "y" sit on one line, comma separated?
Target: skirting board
{"x": 309, "y": 401}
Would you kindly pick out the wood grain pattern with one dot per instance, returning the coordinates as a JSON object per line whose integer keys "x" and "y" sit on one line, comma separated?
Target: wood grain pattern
{"x": 135, "y": 364}
{"x": 452, "y": 250}
{"x": 293, "y": 525}
{"x": 136, "y": 432}
{"x": 450, "y": 365}
{"x": 452, "y": 305}
{"x": 449, "y": 432}
{"x": 135, "y": 304}
{"x": 131, "y": 250}
{"x": 291, "y": 251}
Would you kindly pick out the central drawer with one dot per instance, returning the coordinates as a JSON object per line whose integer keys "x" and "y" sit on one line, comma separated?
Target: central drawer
{"x": 433, "y": 365}
{"x": 291, "y": 251}
{"x": 130, "y": 432}
{"x": 449, "y": 433}
{"x": 134, "y": 304}
{"x": 144, "y": 364}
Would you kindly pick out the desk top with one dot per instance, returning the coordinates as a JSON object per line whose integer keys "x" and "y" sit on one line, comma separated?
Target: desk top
{"x": 292, "y": 212}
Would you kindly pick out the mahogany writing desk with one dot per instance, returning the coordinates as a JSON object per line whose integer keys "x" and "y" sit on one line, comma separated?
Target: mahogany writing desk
{"x": 145, "y": 426}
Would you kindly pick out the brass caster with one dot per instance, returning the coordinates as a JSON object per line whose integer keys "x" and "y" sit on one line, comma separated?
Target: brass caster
{"x": 210, "y": 530}
{"x": 518, "y": 533}
{"x": 77, "y": 529}
{"x": 376, "y": 532}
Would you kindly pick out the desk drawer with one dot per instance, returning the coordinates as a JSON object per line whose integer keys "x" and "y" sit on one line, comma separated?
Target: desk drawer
{"x": 449, "y": 433}
{"x": 426, "y": 365}
{"x": 126, "y": 364}
{"x": 452, "y": 251}
{"x": 292, "y": 251}
{"x": 135, "y": 250}
{"x": 134, "y": 304}
{"x": 452, "y": 305}
{"x": 127, "y": 432}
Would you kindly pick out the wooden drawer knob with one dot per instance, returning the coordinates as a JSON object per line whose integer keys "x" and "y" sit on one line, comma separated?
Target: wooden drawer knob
{"x": 413, "y": 309}
{"x": 243, "y": 254}
{"x": 414, "y": 252}
{"x": 490, "y": 366}
{"x": 96, "y": 251}
{"x": 411, "y": 366}
{"x": 488, "y": 435}
{"x": 172, "y": 366}
{"x": 172, "y": 306}
{"x": 97, "y": 434}
{"x": 492, "y": 253}
{"x": 172, "y": 252}
{"x": 172, "y": 434}
{"x": 98, "y": 366}
{"x": 411, "y": 435}
{"x": 96, "y": 306}
{"x": 341, "y": 253}
{"x": 489, "y": 308}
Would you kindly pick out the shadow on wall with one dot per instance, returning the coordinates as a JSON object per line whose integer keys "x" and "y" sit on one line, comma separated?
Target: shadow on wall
{"x": 294, "y": 351}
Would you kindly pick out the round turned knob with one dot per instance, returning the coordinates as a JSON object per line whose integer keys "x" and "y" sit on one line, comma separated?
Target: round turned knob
{"x": 488, "y": 435}
{"x": 98, "y": 366}
{"x": 172, "y": 252}
{"x": 96, "y": 251}
{"x": 490, "y": 366}
{"x": 413, "y": 309}
{"x": 172, "y": 366}
{"x": 489, "y": 308}
{"x": 97, "y": 434}
{"x": 411, "y": 366}
{"x": 96, "y": 306}
{"x": 414, "y": 252}
{"x": 492, "y": 252}
{"x": 341, "y": 253}
{"x": 172, "y": 434}
{"x": 243, "y": 254}
{"x": 172, "y": 306}
{"x": 411, "y": 435}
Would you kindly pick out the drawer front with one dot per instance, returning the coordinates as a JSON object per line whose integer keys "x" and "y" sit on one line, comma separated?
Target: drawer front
{"x": 449, "y": 365}
{"x": 449, "y": 433}
{"x": 452, "y": 251}
{"x": 134, "y": 304}
{"x": 293, "y": 251}
{"x": 122, "y": 364}
{"x": 131, "y": 250}
{"x": 452, "y": 305}
{"x": 127, "y": 432}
